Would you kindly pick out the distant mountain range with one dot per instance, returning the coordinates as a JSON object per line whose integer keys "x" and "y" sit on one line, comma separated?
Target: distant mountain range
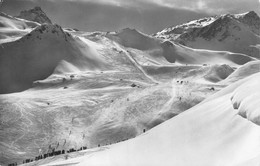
{"x": 237, "y": 33}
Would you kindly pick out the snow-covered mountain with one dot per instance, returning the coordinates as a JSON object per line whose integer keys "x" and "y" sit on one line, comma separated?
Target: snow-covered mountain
{"x": 170, "y": 52}
{"x": 63, "y": 88}
{"x": 238, "y": 33}
{"x": 36, "y": 55}
{"x": 36, "y": 14}
{"x": 44, "y": 46}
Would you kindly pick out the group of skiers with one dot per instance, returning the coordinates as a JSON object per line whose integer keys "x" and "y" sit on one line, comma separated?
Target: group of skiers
{"x": 49, "y": 154}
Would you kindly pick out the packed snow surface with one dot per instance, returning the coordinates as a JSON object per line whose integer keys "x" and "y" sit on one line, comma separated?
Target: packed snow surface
{"x": 214, "y": 133}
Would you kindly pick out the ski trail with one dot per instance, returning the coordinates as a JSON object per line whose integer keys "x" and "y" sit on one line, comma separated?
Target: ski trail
{"x": 173, "y": 94}
{"x": 21, "y": 109}
{"x": 136, "y": 63}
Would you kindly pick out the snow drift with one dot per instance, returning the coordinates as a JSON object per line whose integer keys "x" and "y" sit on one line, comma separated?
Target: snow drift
{"x": 248, "y": 105}
{"x": 243, "y": 71}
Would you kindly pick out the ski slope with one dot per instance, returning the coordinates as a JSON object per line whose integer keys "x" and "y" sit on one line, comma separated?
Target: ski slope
{"x": 215, "y": 132}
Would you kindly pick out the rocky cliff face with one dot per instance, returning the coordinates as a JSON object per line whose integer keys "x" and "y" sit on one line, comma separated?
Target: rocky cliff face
{"x": 36, "y": 14}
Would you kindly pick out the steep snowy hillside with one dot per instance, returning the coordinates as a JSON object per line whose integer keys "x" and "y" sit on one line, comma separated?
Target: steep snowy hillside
{"x": 237, "y": 33}
{"x": 243, "y": 71}
{"x": 36, "y": 15}
{"x": 37, "y": 54}
{"x": 222, "y": 131}
{"x": 12, "y": 28}
{"x": 8, "y": 21}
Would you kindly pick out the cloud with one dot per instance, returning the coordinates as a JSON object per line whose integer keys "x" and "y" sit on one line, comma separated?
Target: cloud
{"x": 204, "y": 6}
{"x": 209, "y": 6}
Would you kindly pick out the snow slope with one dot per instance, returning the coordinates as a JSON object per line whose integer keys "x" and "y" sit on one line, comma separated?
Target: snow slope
{"x": 95, "y": 104}
{"x": 12, "y": 28}
{"x": 187, "y": 55}
{"x": 36, "y": 55}
{"x": 243, "y": 71}
{"x": 166, "y": 52}
{"x": 95, "y": 108}
{"x": 221, "y": 131}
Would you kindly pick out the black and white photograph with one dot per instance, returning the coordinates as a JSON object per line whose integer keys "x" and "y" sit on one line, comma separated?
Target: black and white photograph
{"x": 130, "y": 82}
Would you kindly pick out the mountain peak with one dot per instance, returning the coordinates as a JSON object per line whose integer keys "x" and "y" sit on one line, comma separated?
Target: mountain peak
{"x": 50, "y": 28}
{"x": 36, "y": 14}
{"x": 37, "y": 8}
{"x": 251, "y": 14}
{"x": 251, "y": 19}
{"x": 128, "y": 30}
{"x": 47, "y": 30}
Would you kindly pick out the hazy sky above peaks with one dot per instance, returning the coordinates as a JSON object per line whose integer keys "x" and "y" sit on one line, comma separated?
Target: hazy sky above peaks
{"x": 148, "y": 16}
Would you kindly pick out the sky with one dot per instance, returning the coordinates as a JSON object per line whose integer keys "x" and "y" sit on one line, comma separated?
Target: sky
{"x": 148, "y": 16}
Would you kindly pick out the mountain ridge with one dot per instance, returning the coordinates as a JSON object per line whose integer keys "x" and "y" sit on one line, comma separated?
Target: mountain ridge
{"x": 237, "y": 33}
{"x": 36, "y": 14}
{"x": 250, "y": 18}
